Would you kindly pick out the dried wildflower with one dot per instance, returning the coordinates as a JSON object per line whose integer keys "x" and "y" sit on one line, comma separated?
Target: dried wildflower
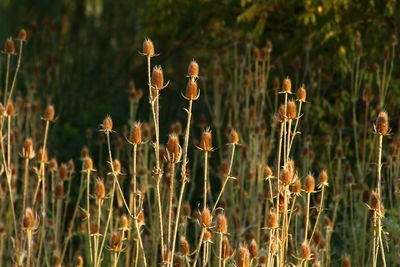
{"x": 124, "y": 223}
{"x": 206, "y": 218}
{"x": 49, "y": 113}
{"x": 10, "y": 109}
{"x": 192, "y": 91}
{"x": 272, "y": 220}
{"x": 22, "y": 35}
{"x": 148, "y": 48}
{"x": 27, "y": 151}
{"x": 382, "y": 124}
{"x": 301, "y": 94}
{"x": 222, "y": 224}
{"x": 79, "y": 261}
{"x": 253, "y": 249}
{"x": 136, "y": 134}
{"x": 59, "y": 190}
{"x": 207, "y": 235}
{"x": 296, "y": 187}
{"x": 193, "y": 69}
{"x": 374, "y": 201}
{"x": 99, "y": 189}
{"x": 287, "y": 86}
{"x": 29, "y": 220}
{"x": 206, "y": 141}
{"x": 88, "y": 164}
{"x": 291, "y": 110}
{"x": 323, "y": 178}
{"x": 243, "y": 257}
{"x": 173, "y": 148}
{"x": 226, "y": 250}
{"x": 267, "y": 172}
{"x": 116, "y": 164}
{"x": 157, "y": 78}
{"x": 140, "y": 218}
{"x": 63, "y": 172}
{"x": 305, "y": 253}
{"x": 286, "y": 176}
{"x": 115, "y": 242}
{"x": 367, "y": 93}
{"x": 42, "y": 155}
{"x": 233, "y": 137}
{"x": 9, "y": 47}
{"x": 185, "y": 248}
{"x": 309, "y": 184}
{"x": 107, "y": 124}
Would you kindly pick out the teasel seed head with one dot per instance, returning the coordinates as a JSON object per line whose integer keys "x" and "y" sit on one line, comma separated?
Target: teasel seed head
{"x": 267, "y": 172}
{"x": 296, "y": 187}
{"x": 136, "y": 135}
{"x": 272, "y": 220}
{"x": 49, "y": 113}
{"x": 323, "y": 178}
{"x": 107, "y": 124}
{"x": 79, "y": 261}
{"x": 148, "y": 48}
{"x": 9, "y": 47}
{"x": 22, "y": 35}
{"x": 185, "y": 248}
{"x": 287, "y": 86}
{"x": 157, "y": 78}
{"x": 29, "y": 222}
{"x": 43, "y": 155}
{"x": 173, "y": 148}
{"x": 286, "y": 176}
{"x": 253, "y": 249}
{"x": 302, "y": 94}
{"x": 124, "y": 222}
{"x": 346, "y": 262}
{"x": 374, "y": 201}
{"x": 193, "y": 69}
{"x": 367, "y": 93}
{"x": 63, "y": 172}
{"x": 28, "y": 152}
{"x": 207, "y": 235}
{"x": 88, "y": 164}
{"x": 206, "y": 218}
{"x": 206, "y": 141}
{"x": 141, "y": 218}
{"x": 309, "y": 184}
{"x": 282, "y": 113}
{"x": 115, "y": 243}
{"x": 291, "y": 110}
{"x": 222, "y": 224}
{"x": 192, "y": 91}
{"x": 59, "y": 191}
{"x": 243, "y": 257}
{"x": 99, "y": 189}
{"x": 305, "y": 253}
{"x": 233, "y": 137}
{"x": 10, "y": 109}
{"x": 382, "y": 124}
{"x": 116, "y": 166}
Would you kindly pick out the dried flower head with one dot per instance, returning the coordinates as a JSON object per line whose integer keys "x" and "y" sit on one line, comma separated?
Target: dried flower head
{"x": 253, "y": 249}
{"x": 206, "y": 218}
{"x": 233, "y": 137}
{"x": 29, "y": 221}
{"x": 291, "y": 110}
{"x": 309, "y": 184}
{"x": 296, "y": 187}
{"x": 116, "y": 166}
{"x": 27, "y": 151}
{"x": 222, "y": 224}
{"x": 22, "y": 35}
{"x": 49, "y": 113}
{"x": 10, "y": 109}
{"x": 157, "y": 78}
{"x": 272, "y": 220}
{"x": 191, "y": 90}
{"x": 226, "y": 250}
{"x": 305, "y": 253}
{"x": 323, "y": 178}
{"x": 141, "y": 218}
{"x": 63, "y": 172}
{"x": 99, "y": 189}
{"x": 59, "y": 190}
{"x": 287, "y": 86}
{"x": 136, "y": 135}
{"x": 382, "y": 124}
{"x": 173, "y": 148}
{"x": 116, "y": 242}
{"x": 107, "y": 124}
{"x": 286, "y": 176}
{"x": 148, "y": 48}
{"x": 243, "y": 257}
{"x": 9, "y": 47}
{"x": 193, "y": 69}
{"x": 185, "y": 248}
{"x": 267, "y": 172}
{"x": 206, "y": 141}
{"x": 302, "y": 94}
{"x": 43, "y": 155}
{"x": 88, "y": 164}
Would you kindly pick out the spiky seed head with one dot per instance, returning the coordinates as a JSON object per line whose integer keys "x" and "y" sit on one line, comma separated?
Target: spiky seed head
{"x": 28, "y": 222}
{"x": 88, "y": 164}
{"x": 136, "y": 135}
{"x": 49, "y": 113}
{"x": 243, "y": 257}
{"x": 9, "y": 47}
{"x": 282, "y": 112}
{"x": 63, "y": 172}
{"x": 257, "y": 54}
{"x": 191, "y": 90}
{"x": 286, "y": 176}
{"x": 185, "y": 248}
{"x": 267, "y": 172}
{"x": 157, "y": 78}
{"x": 382, "y": 124}
{"x": 302, "y": 94}
{"x": 233, "y": 137}
{"x": 99, "y": 189}
{"x": 53, "y": 165}
{"x": 253, "y": 249}
{"x": 59, "y": 190}
{"x": 22, "y": 35}
{"x": 206, "y": 140}
{"x": 107, "y": 124}
{"x": 206, "y": 218}
{"x": 291, "y": 110}
{"x": 173, "y": 148}
{"x": 193, "y": 69}
{"x": 148, "y": 48}
{"x": 117, "y": 166}
{"x": 207, "y": 235}
{"x": 225, "y": 251}
{"x": 10, "y": 109}
{"x": 309, "y": 184}
{"x": 141, "y": 218}
{"x": 43, "y": 155}
{"x": 296, "y": 187}
{"x": 115, "y": 241}
{"x": 124, "y": 222}
{"x": 222, "y": 224}
{"x": 367, "y": 93}
{"x": 28, "y": 151}
{"x": 323, "y": 177}
{"x": 272, "y": 220}
{"x": 305, "y": 253}
{"x": 79, "y": 261}
{"x": 374, "y": 201}
{"x": 287, "y": 86}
